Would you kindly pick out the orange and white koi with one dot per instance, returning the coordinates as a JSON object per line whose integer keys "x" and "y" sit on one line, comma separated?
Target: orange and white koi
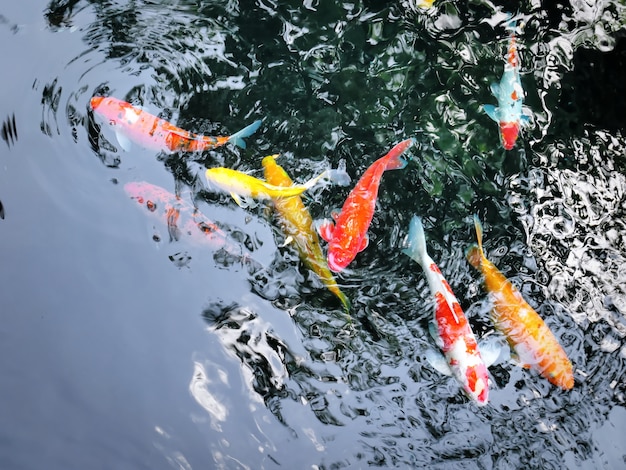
{"x": 347, "y": 236}
{"x": 510, "y": 94}
{"x": 133, "y": 124}
{"x": 298, "y": 225}
{"x": 449, "y": 327}
{"x": 242, "y": 186}
{"x": 527, "y": 334}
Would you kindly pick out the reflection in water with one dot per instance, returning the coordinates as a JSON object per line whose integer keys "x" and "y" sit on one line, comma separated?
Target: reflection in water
{"x": 200, "y": 386}
{"x": 340, "y": 81}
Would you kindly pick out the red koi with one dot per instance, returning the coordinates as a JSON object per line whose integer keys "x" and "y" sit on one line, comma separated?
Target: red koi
{"x": 348, "y": 235}
{"x": 155, "y": 133}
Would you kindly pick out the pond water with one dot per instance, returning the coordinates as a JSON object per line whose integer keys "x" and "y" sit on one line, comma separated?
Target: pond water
{"x": 128, "y": 343}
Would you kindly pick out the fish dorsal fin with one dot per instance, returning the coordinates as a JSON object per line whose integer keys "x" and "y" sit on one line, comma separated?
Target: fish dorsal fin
{"x": 364, "y": 242}
{"x": 124, "y": 141}
{"x": 492, "y": 112}
{"x": 326, "y": 228}
{"x": 437, "y": 361}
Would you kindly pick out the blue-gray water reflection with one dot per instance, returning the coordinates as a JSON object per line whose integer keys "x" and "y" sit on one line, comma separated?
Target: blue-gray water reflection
{"x": 125, "y": 347}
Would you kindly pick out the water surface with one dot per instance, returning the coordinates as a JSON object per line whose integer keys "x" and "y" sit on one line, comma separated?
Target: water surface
{"x": 124, "y": 347}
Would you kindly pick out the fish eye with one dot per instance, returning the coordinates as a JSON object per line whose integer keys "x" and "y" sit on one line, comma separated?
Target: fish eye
{"x": 151, "y": 206}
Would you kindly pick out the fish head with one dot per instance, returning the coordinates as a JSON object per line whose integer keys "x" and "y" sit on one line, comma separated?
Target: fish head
{"x": 148, "y": 194}
{"x": 509, "y": 132}
{"x": 477, "y": 385}
{"x": 107, "y": 107}
{"x": 274, "y": 173}
{"x": 216, "y": 178}
{"x": 338, "y": 259}
{"x": 115, "y": 111}
{"x": 96, "y": 101}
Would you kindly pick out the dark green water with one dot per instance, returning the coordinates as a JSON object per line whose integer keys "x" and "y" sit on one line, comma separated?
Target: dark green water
{"x": 123, "y": 348}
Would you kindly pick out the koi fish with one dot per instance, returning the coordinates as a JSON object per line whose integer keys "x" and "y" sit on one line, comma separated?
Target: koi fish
{"x": 527, "y": 334}
{"x": 449, "y": 327}
{"x": 347, "y": 236}
{"x": 240, "y": 185}
{"x": 422, "y": 3}
{"x": 182, "y": 218}
{"x": 133, "y": 124}
{"x": 510, "y": 94}
{"x": 298, "y": 225}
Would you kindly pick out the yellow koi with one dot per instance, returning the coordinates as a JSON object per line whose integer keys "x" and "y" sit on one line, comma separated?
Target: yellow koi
{"x": 240, "y": 185}
{"x": 298, "y": 225}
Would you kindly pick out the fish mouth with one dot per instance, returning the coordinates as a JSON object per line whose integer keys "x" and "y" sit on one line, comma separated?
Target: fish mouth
{"x": 334, "y": 264}
{"x": 96, "y": 101}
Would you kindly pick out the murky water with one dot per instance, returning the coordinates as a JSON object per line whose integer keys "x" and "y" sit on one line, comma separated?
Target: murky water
{"x": 128, "y": 343}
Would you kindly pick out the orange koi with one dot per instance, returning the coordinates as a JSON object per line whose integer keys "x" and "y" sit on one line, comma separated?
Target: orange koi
{"x": 149, "y": 131}
{"x": 527, "y": 334}
{"x": 347, "y": 236}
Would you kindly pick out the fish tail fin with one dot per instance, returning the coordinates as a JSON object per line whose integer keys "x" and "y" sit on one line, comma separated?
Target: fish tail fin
{"x": 237, "y": 137}
{"x": 337, "y": 176}
{"x": 344, "y": 301}
{"x": 394, "y": 156}
{"x": 511, "y": 26}
{"x": 475, "y": 253}
{"x": 479, "y": 232}
{"x": 416, "y": 241}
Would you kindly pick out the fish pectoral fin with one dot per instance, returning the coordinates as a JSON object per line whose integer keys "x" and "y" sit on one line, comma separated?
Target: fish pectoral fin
{"x": 494, "y": 349}
{"x": 238, "y": 200}
{"x": 124, "y": 141}
{"x": 495, "y": 89}
{"x": 491, "y": 111}
{"x": 287, "y": 241}
{"x": 364, "y": 243}
{"x": 434, "y": 334}
{"x": 523, "y": 357}
{"x": 325, "y": 228}
{"x": 437, "y": 361}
